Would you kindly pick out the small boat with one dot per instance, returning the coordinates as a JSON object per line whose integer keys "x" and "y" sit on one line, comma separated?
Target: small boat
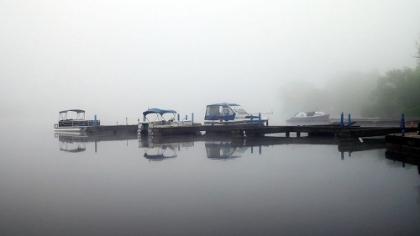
{"x": 310, "y": 116}
{"x": 232, "y": 113}
{"x": 155, "y": 117}
{"x": 76, "y": 124}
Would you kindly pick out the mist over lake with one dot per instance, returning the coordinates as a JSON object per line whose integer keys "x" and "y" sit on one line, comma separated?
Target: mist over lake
{"x": 117, "y": 59}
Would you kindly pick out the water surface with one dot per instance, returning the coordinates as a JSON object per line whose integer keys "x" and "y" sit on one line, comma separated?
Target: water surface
{"x": 51, "y": 185}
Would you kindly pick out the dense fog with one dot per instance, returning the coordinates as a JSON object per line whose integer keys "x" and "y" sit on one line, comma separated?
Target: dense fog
{"x": 118, "y": 58}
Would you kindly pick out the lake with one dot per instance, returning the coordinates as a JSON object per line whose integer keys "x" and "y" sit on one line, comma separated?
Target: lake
{"x": 61, "y": 185}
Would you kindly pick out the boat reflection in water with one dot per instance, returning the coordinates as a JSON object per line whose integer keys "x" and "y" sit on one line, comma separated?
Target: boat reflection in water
{"x": 72, "y": 142}
{"x": 75, "y": 142}
{"x": 223, "y": 150}
{"x": 161, "y": 151}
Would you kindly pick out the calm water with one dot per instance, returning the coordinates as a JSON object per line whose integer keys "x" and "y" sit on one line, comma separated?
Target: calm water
{"x": 52, "y": 185}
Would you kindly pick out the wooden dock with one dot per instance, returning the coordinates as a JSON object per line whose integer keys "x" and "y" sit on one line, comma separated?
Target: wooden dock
{"x": 406, "y": 147}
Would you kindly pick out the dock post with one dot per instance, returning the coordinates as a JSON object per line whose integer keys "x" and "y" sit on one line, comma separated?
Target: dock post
{"x": 342, "y": 120}
{"x": 259, "y": 150}
{"x": 402, "y": 125}
{"x": 94, "y": 120}
{"x": 252, "y": 150}
{"x": 178, "y": 117}
{"x": 192, "y": 118}
{"x": 252, "y": 120}
{"x": 349, "y": 121}
{"x": 259, "y": 119}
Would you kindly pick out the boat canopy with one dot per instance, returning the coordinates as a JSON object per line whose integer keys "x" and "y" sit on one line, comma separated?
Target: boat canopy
{"x": 73, "y": 110}
{"x": 80, "y": 114}
{"x": 224, "y": 104}
{"x": 158, "y": 111}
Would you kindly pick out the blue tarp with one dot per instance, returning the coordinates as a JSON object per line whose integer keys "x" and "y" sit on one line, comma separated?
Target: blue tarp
{"x": 158, "y": 111}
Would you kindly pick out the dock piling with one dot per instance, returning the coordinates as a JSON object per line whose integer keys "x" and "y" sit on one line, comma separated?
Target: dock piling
{"x": 402, "y": 125}
{"x": 349, "y": 121}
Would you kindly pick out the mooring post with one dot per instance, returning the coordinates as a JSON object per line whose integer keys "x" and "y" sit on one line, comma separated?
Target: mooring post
{"x": 259, "y": 150}
{"x": 96, "y": 146}
{"x": 259, "y": 119}
{"x": 252, "y": 150}
{"x": 252, "y": 120}
{"x": 342, "y": 120}
{"x": 192, "y": 118}
{"x": 94, "y": 120}
{"x": 402, "y": 125}
{"x": 178, "y": 117}
{"x": 349, "y": 121}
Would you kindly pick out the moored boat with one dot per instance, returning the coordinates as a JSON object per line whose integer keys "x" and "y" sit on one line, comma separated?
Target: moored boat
{"x": 232, "y": 114}
{"x": 309, "y": 116}
{"x": 76, "y": 124}
{"x": 155, "y": 117}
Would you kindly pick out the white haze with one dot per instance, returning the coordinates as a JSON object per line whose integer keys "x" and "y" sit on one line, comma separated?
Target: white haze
{"x": 117, "y": 58}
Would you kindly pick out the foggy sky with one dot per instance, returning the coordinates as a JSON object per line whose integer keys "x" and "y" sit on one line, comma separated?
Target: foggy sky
{"x": 117, "y": 58}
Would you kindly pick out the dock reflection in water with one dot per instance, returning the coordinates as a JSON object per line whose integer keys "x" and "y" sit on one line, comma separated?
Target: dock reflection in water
{"x": 204, "y": 186}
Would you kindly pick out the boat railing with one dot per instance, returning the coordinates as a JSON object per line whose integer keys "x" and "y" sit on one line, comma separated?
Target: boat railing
{"x": 71, "y": 123}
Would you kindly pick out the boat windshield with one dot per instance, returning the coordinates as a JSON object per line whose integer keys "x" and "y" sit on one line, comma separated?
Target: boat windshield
{"x": 239, "y": 110}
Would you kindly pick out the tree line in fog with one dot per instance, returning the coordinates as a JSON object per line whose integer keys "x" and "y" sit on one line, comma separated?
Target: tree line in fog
{"x": 361, "y": 94}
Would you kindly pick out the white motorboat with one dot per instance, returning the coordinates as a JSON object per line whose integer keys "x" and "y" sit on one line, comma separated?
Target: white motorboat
{"x": 309, "y": 116}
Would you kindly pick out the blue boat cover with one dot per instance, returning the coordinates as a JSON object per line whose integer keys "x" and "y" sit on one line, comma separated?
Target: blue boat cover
{"x": 224, "y": 104}
{"x": 158, "y": 111}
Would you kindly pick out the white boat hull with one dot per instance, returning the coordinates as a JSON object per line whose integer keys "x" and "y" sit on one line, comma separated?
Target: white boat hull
{"x": 70, "y": 128}
{"x": 235, "y": 122}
